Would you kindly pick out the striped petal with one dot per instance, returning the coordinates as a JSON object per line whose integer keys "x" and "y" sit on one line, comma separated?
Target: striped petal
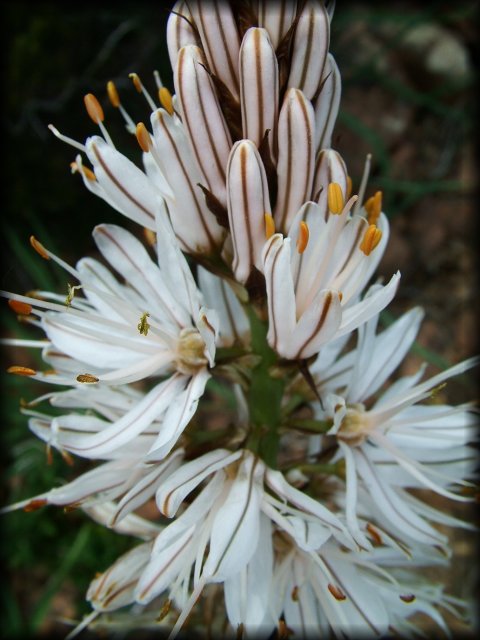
{"x": 203, "y": 120}
{"x": 310, "y": 48}
{"x": 327, "y": 104}
{"x": 194, "y": 224}
{"x": 295, "y": 157}
{"x": 248, "y": 201}
{"x": 220, "y": 40}
{"x": 180, "y": 30}
{"x": 276, "y": 16}
{"x": 259, "y": 87}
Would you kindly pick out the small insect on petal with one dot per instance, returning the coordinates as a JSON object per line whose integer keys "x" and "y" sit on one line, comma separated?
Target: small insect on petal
{"x": 21, "y": 371}
{"x": 335, "y": 198}
{"x": 336, "y": 592}
{"x": 303, "y": 236}
{"x": 23, "y": 308}
{"x": 87, "y": 378}
{"x": 143, "y": 137}
{"x": 372, "y": 237}
{"x": 113, "y": 94}
{"x": 143, "y": 325}
{"x": 93, "y": 108}
{"x": 39, "y": 248}
{"x": 166, "y": 101}
{"x": 269, "y": 226}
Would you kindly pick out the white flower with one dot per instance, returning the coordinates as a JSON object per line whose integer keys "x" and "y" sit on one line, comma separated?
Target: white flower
{"x": 390, "y": 441}
{"x": 152, "y": 327}
{"x": 217, "y": 536}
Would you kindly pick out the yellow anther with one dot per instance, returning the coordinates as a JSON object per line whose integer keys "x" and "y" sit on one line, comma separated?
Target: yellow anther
{"x": 93, "y": 108}
{"x": 39, "y": 248}
{"x": 349, "y": 188}
{"x": 23, "y": 308}
{"x": 113, "y": 94}
{"x": 336, "y": 592}
{"x": 87, "y": 378}
{"x": 371, "y": 239}
{"x": 88, "y": 173}
{"x": 21, "y": 371}
{"x": 136, "y": 81}
{"x": 165, "y": 98}
{"x": 150, "y": 236}
{"x": 303, "y": 235}
{"x": 335, "y": 198}
{"x": 71, "y": 293}
{"x": 373, "y": 207}
{"x": 143, "y": 137}
{"x": 143, "y": 325}
{"x": 269, "y": 226}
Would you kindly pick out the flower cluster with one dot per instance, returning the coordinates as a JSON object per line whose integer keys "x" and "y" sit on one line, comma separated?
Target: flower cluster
{"x": 254, "y": 271}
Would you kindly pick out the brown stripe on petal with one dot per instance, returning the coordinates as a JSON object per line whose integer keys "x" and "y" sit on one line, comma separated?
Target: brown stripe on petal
{"x": 320, "y": 323}
{"x": 118, "y": 184}
{"x": 272, "y": 315}
{"x": 186, "y": 175}
{"x": 246, "y": 207}
{"x": 308, "y": 52}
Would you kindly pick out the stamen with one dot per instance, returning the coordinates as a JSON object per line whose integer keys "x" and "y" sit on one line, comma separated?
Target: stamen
{"x": 303, "y": 236}
{"x": 294, "y": 594}
{"x": 66, "y": 139}
{"x": 141, "y": 89}
{"x": 21, "y": 371}
{"x": 35, "y": 504}
{"x": 372, "y": 237}
{"x": 164, "y": 610}
{"x": 87, "y": 378}
{"x": 93, "y": 108}
{"x": 166, "y": 101}
{"x": 374, "y": 533}
{"x": 68, "y": 458}
{"x": 336, "y": 592}
{"x": 363, "y": 183}
{"x": 143, "y": 137}
{"x": 95, "y": 112}
{"x": 269, "y": 226}
{"x": 335, "y": 198}
{"x": 373, "y": 207}
{"x": 113, "y": 94}
{"x": 88, "y": 173}
{"x": 23, "y": 308}
{"x": 150, "y": 236}
{"x": 349, "y": 187}
{"x": 408, "y": 598}
{"x": 39, "y": 248}
{"x": 115, "y": 101}
{"x": 143, "y": 325}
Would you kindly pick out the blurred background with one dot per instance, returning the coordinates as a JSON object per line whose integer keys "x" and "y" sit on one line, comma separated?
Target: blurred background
{"x": 408, "y": 99}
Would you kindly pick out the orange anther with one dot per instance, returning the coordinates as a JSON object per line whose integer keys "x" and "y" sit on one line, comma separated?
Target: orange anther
{"x": 373, "y": 207}
{"x": 371, "y": 239}
{"x": 136, "y": 81}
{"x": 21, "y": 371}
{"x": 113, "y": 94}
{"x": 336, "y": 592}
{"x": 87, "y": 378}
{"x": 93, "y": 108}
{"x": 269, "y": 225}
{"x": 150, "y": 236}
{"x": 39, "y": 248}
{"x": 143, "y": 137}
{"x": 303, "y": 236}
{"x": 23, "y": 308}
{"x": 294, "y": 594}
{"x": 35, "y": 504}
{"x": 374, "y": 533}
{"x": 335, "y": 198}
{"x": 88, "y": 173}
{"x": 165, "y": 98}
